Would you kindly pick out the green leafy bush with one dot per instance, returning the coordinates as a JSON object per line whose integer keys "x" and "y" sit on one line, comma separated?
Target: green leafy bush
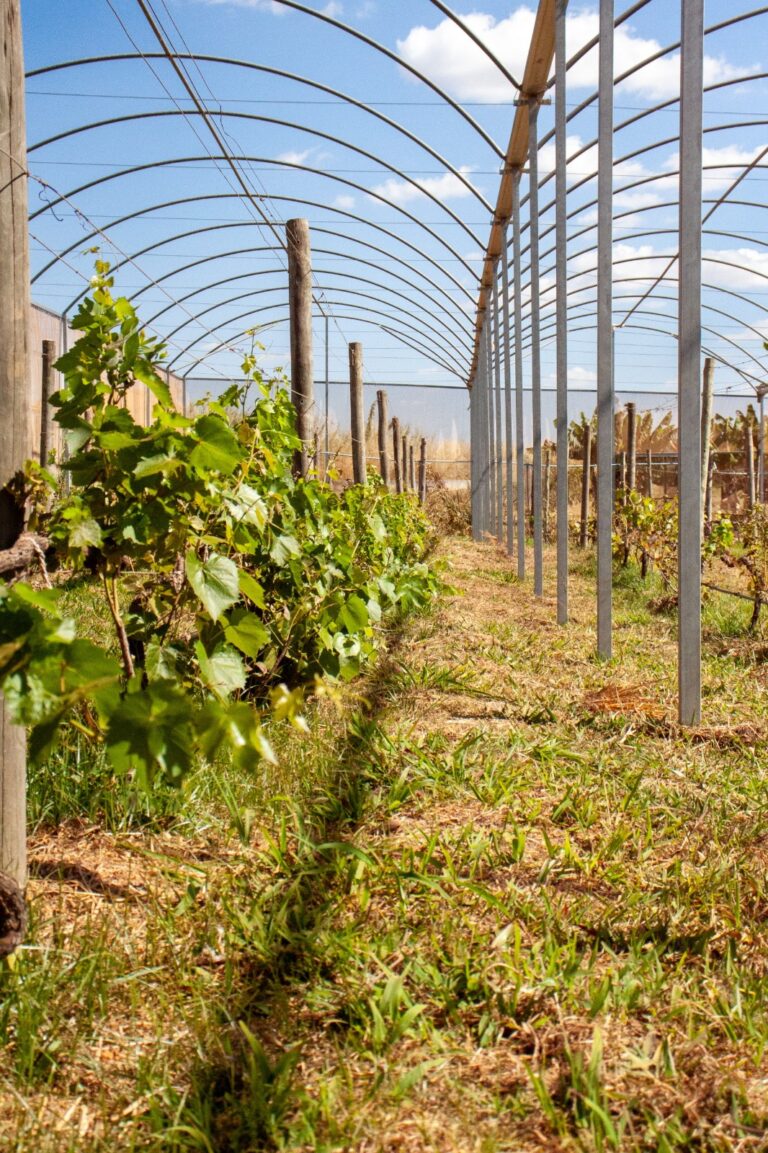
{"x": 229, "y": 586}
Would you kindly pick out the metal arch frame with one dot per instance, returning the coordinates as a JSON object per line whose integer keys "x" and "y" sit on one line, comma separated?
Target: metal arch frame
{"x": 334, "y": 288}
{"x": 747, "y": 377}
{"x": 283, "y": 320}
{"x": 629, "y": 296}
{"x": 294, "y": 126}
{"x": 357, "y": 35}
{"x": 446, "y": 11}
{"x": 326, "y": 251}
{"x": 292, "y": 200}
{"x": 214, "y": 256}
{"x": 136, "y": 168}
{"x": 284, "y": 74}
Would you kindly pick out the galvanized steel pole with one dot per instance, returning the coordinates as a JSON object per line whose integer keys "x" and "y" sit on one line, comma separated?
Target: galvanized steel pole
{"x": 497, "y": 407}
{"x": 519, "y": 418}
{"x": 605, "y": 431}
{"x": 561, "y": 311}
{"x": 533, "y": 207}
{"x": 508, "y": 435}
{"x": 491, "y": 417}
{"x": 689, "y": 362}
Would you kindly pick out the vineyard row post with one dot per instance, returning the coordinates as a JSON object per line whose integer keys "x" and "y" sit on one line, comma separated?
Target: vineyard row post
{"x": 605, "y": 402}
{"x": 561, "y": 309}
{"x": 14, "y": 374}
{"x": 357, "y": 415}
{"x": 381, "y": 401}
{"x": 689, "y": 362}
{"x": 300, "y": 313}
{"x": 396, "y": 454}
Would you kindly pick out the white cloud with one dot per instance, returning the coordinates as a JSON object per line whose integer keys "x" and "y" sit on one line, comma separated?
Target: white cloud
{"x": 260, "y": 5}
{"x": 293, "y": 157}
{"x": 344, "y": 202}
{"x": 446, "y": 55}
{"x": 333, "y": 9}
{"x": 446, "y": 187}
{"x": 744, "y": 268}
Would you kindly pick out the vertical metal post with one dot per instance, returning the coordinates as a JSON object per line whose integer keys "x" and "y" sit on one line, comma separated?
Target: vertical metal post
{"x": 586, "y": 480}
{"x": 326, "y": 441}
{"x": 689, "y": 361}
{"x": 497, "y": 409}
{"x": 491, "y": 415}
{"x": 509, "y": 453}
{"x": 519, "y": 423}
{"x": 474, "y": 475}
{"x": 357, "y": 416}
{"x": 707, "y": 397}
{"x": 561, "y": 311}
{"x": 605, "y": 430}
{"x": 533, "y": 206}
{"x": 761, "y": 451}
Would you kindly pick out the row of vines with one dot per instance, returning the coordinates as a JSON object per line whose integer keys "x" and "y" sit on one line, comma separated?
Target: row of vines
{"x": 221, "y": 589}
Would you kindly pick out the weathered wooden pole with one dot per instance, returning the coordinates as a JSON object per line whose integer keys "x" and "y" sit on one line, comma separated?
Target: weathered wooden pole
{"x": 47, "y": 427}
{"x": 423, "y": 471}
{"x": 14, "y": 439}
{"x": 586, "y": 478}
{"x": 300, "y": 310}
{"x": 708, "y": 492}
{"x": 411, "y": 468}
{"x": 381, "y": 400}
{"x": 749, "y": 452}
{"x": 357, "y": 416}
{"x": 631, "y": 447}
{"x": 404, "y": 462}
{"x": 650, "y": 472}
{"x": 396, "y": 446}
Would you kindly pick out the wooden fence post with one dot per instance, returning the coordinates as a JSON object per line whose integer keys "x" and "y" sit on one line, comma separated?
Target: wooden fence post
{"x": 381, "y": 398}
{"x": 411, "y": 468}
{"x": 396, "y": 446}
{"x": 749, "y": 446}
{"x": 423, "y": 471}
{"x": 357, "y": 416}
{"x": 650, "y": 472}
{"x": 404, "y": 463}
{"x": 47, "y": 426}
{"x": 631, "y": 447}
{"x": 14, "y": 439}
{"x": 300, "y": 310}
{"x": 586, "y": 470}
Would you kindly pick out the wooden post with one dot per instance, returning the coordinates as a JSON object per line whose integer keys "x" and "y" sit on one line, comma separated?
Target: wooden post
{"x": 423, "y": 472}
{"x": 404, "y": 462}
{"x": 396, "y": 445}
{"x": 623, "y": 472}
{"x": 300, "y": 309}
{"x": 631, "y": 447}
{"x": 708, "y": 492}
{"x": 14, "y": 427}
{"x": 650, "y": 472}
{"x": 586, "y": 469}
{"x": 357, "y": 416}
{"x": 547, "y": 488}
{"x": 381, "y": 398}
{"x": 411, "y": 468}
{"x": 47, "y": 427}
{"x": 749, "y": 447}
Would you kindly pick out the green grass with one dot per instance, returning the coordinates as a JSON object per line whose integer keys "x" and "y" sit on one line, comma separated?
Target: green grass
{"x": 467, "y": 912}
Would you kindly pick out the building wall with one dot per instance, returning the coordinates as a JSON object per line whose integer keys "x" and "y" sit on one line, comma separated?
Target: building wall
{"x": 45, "y": 325}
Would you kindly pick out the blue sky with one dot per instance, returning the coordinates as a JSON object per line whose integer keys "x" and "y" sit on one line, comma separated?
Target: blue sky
{"x": 421, "y": 267}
